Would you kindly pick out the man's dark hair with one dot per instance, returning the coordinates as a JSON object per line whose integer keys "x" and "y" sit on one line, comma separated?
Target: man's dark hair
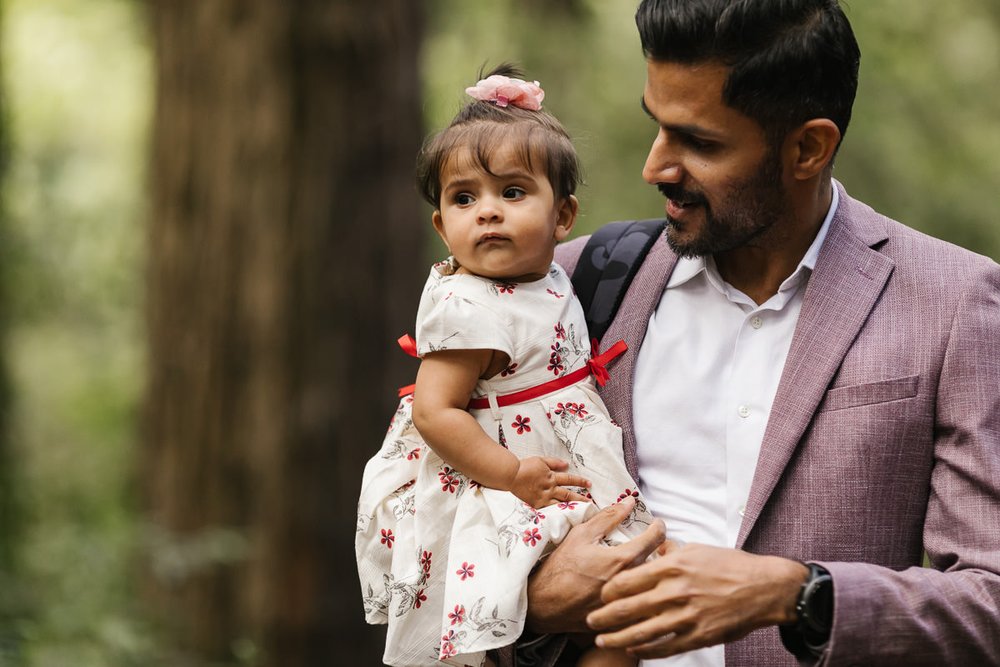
{"x": 790, "y": 60}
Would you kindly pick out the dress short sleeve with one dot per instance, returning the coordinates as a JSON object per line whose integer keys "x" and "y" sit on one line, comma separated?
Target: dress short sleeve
{"x": 457, "y": 314}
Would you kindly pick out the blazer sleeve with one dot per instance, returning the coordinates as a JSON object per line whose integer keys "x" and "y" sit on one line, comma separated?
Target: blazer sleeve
{"x": 948, "y": 614}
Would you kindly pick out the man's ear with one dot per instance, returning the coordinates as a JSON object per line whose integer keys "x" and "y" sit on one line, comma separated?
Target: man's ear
{"x": 438, "y": 223}
{"x": 812, "y": 147}
{"x": 566, "y": 217}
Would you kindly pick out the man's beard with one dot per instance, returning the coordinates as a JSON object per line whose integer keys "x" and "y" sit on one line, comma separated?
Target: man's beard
{"x": 749, "y": 209}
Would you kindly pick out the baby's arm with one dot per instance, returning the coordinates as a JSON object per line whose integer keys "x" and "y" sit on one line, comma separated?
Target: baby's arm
{"x": 445, "y": 383}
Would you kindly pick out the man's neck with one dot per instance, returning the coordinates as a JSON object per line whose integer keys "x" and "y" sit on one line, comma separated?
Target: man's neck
{"x": 758, "y": 270}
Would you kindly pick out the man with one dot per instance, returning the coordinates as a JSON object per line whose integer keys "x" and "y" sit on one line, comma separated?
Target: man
{"x": 807, "y": 382}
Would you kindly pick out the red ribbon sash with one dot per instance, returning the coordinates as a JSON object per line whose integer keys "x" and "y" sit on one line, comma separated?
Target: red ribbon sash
{"x": 596, "y": 366}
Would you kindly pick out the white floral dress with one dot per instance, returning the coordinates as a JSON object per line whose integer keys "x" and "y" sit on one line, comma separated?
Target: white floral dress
{"x": 443, "y": 560}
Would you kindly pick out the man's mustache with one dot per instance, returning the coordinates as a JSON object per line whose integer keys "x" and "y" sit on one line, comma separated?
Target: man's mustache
{"x": 678, "y": 194}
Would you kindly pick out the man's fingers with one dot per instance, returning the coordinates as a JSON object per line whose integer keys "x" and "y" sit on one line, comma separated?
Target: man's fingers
{"x": 667, "y": 645}
{"x": 620, "y": 614}
{"x": 657, "y": 631}
{"x": 602, "y": 523}
{"x": 638, "y": 549}
{"x": 634, "y": 581}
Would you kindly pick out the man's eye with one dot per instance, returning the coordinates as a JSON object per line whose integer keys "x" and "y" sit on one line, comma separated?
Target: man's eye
{"x": 698, "y": 144}
{"x": 513, "y": 193}
{"x": 463, "y": 199}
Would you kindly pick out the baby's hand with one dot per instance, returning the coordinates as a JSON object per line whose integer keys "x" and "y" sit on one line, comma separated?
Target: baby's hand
{"x": 538, "y": 483}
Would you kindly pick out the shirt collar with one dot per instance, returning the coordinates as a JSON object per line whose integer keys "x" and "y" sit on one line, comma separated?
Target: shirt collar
{"x": 689, "y": 267}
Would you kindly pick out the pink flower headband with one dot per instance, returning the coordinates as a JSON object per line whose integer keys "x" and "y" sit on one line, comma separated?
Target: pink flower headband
{"x": 502, "y": 90}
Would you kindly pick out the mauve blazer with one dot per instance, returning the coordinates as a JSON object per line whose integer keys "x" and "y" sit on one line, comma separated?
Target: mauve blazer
{"x": 883, "y": 442}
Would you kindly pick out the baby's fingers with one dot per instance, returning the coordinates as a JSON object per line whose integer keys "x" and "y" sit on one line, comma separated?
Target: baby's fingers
{"x": 563, "y": 494}
{"x": 554, "y": 463}
{"x": 569, "y": 479}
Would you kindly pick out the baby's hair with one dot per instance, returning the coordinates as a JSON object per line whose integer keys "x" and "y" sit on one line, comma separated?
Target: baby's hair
{"x": 483, "y": 127}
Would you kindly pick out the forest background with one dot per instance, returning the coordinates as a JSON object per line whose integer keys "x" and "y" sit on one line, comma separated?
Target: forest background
{"x": 89, "y": 574}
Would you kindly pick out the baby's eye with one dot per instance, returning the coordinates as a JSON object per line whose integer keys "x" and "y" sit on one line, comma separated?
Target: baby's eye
{"x": 514, "y": 193}
{"x": 463, "y": 199}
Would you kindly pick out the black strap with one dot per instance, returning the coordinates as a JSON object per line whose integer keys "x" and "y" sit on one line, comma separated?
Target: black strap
{"x": 607, "y": 265}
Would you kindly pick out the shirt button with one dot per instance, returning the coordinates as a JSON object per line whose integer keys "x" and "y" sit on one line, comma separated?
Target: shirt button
{"x": 744, "y": 411}
{"x": 756, "y": 322}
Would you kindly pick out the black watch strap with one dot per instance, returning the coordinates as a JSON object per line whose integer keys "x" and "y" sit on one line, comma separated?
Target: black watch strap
{"x": 810, "y": 634}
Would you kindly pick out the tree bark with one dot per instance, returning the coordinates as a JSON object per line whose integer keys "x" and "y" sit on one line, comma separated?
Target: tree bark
{"x": 285, "y": 258}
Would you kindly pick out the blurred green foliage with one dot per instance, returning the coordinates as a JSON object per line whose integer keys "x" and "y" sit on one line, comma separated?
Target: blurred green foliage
{"x": 77, "y": 77}
{"x": 922, "y": 146}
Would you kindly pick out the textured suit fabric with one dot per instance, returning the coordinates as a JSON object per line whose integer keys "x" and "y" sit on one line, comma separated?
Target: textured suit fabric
{"x": 883, "y": 442}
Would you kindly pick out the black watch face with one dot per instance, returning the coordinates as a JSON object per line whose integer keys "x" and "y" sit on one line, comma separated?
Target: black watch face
{"x": 821, "y": 604}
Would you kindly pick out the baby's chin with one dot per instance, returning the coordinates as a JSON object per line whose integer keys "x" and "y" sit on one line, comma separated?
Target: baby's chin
{"x": 524, "y": 274}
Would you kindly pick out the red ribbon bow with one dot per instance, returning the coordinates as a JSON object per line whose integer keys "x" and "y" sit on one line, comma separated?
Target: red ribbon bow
{"x": 409, "y": 346}
{"x": 599, "y": 360}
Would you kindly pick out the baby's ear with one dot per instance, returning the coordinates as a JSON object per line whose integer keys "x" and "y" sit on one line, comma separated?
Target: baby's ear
{"x": 566, "y": 216}
{"x": 439, "y": 227}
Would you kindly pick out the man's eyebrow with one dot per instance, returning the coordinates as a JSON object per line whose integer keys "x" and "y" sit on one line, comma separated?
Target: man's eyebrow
{"x": 681, "y": 128}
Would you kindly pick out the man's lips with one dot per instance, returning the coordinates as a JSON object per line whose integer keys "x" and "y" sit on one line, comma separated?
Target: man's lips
{"x": 676, "y": 209}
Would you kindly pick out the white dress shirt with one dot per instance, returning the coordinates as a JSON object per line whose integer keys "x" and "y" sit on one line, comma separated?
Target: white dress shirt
{"x": 705, "y": 378}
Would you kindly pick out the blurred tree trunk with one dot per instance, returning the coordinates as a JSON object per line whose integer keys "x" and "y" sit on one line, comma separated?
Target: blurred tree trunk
{"x": 285, "y": 259}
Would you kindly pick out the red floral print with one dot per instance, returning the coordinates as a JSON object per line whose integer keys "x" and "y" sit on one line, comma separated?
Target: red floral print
{"x": 510, "y": 370}
{"x": 505, "y": 288}
{"x": 413, "y": 454}
{"x": 387, "y": 538}
{"x": 425, "y": 562}
{"x": 536, "y": 515}
{"x": 560, "y": 332}
{"x": 576, "y": 409}
{"x": 521, "y": 424}
{"x": 555, "y": 364}
{"x": 447, "y": 645}
{"x": 626, "y": 493}
{"x": 555, "y": 294}
{"x": 531, "y": 536}
{"x": 466, "y": 571}
{"x": 448, "y": 482}
{"x": 447, "y": 650}
{"x": 567, "y": 505}
{"x": 457, "y": 616}
{"x": 419, "y": 598}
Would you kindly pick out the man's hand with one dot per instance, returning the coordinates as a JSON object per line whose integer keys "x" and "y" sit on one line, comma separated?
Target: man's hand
{"x": 695, "y": 596}
{"x": 567, "y": 584}
{"x": 540, "y": 482}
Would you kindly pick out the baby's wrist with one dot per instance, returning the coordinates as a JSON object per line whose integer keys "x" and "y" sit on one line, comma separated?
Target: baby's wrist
{"x": 509, "y": 480}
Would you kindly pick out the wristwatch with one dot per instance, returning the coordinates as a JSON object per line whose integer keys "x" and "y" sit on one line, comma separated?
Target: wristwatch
{"x": 810, "y": 634}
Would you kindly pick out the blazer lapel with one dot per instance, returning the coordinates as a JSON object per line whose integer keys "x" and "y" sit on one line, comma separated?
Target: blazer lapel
{"x": 629, "y": 325}
{"x": 847, "y": 281}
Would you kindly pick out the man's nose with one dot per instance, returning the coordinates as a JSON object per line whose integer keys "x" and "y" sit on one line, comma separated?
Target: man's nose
{"x": 662, "y": 163}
